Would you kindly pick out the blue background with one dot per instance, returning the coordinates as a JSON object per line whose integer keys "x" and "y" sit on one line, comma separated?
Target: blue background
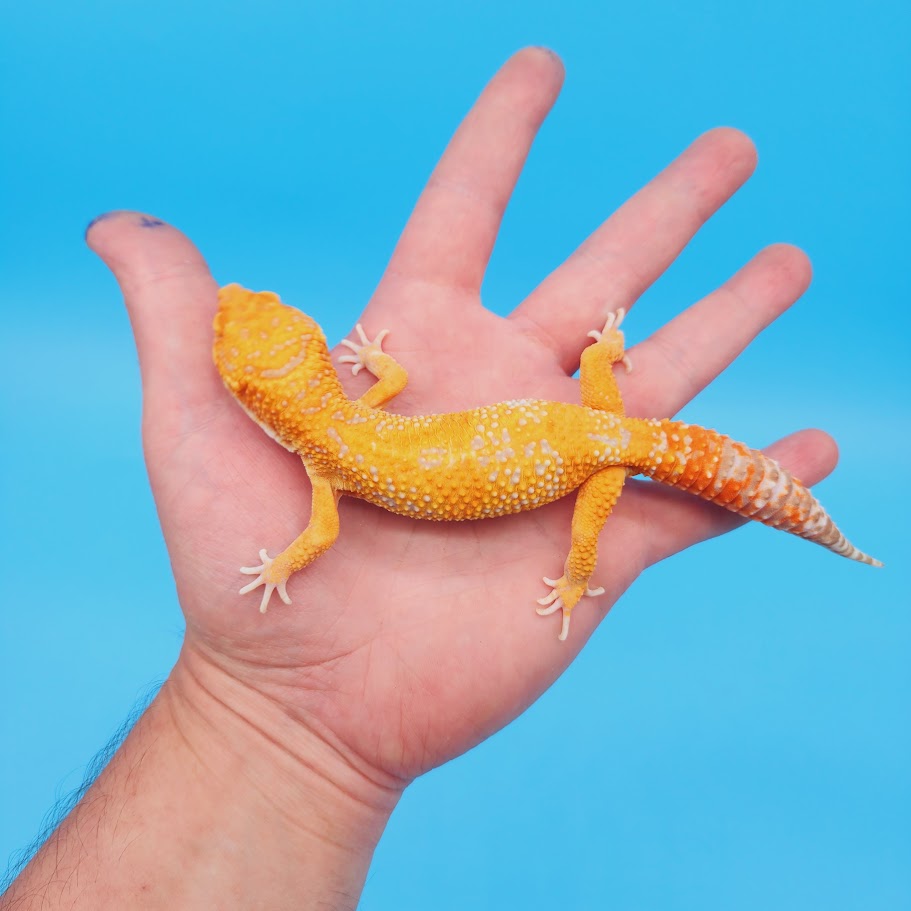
{"x": 736, "y": 735}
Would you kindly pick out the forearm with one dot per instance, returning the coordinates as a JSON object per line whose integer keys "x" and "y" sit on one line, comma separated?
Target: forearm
{"x": 214, "y": 800}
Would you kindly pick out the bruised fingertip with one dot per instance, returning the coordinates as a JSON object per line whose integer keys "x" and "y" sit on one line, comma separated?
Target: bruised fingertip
{"x": 104, "y": 216}
{"x": 124, "y": 217}
{"x": 138, "y": 247}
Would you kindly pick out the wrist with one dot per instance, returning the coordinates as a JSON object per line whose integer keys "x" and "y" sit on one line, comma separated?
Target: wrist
{"x": 292, "y": 771}
{"x": 302, "y": 818}
{"x": 217, "y": 798}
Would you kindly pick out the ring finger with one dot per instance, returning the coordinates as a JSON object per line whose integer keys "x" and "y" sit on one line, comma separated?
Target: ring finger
{"x": 637, "y": 243}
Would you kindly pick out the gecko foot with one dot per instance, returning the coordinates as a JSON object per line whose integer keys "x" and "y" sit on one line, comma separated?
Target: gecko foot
{"x": 262, "y": 578}
{"x": 612, "y": 336}
{"x": 564, "y": 597}
{"x": 364, "y": 351}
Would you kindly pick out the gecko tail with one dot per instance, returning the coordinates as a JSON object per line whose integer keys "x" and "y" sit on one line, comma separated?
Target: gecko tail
{"x": 742, "y": 480}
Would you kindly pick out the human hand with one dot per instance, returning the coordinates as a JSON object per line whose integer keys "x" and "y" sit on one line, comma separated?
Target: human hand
{"x": 409, "y": 642}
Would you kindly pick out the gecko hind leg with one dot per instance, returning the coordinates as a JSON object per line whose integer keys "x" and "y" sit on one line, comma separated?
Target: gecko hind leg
{"x": 597, "y": 384}
{"x": 594, "y": 502}
{"x": 612, "y": 338}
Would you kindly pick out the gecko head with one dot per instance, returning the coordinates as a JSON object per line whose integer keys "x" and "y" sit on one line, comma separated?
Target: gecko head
{"x": 261, "y": 343}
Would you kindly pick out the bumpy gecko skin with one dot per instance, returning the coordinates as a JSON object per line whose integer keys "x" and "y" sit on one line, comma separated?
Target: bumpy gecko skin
{"x": 481, "y": 463}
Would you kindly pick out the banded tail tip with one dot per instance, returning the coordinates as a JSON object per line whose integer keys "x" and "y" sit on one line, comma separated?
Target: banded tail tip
{"x": 845, "y": 549}
{"x": 852, "y": 553}
{"x": 870, "y": 561}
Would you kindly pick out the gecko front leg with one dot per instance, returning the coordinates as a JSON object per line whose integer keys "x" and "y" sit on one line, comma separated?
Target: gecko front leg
{"x": 319, "y": 535}
{"x": 391, "y": 375}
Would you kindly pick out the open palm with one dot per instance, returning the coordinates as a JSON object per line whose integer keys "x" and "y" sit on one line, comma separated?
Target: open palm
{"x": 409, "y": 642}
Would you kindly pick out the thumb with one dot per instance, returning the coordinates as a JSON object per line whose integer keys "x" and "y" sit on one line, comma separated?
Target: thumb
{"x": 171, "y": 298}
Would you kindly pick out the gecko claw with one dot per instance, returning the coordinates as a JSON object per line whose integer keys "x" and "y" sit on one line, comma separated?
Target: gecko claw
{"x": 363, "y": 350}
{"x": 351, "y": 359}
{"x": 612, "y": 321}
{"x": 549, "y": 599}
{"x": 261, "y": 572}
{"x": 564, "y": 596}
{"x": 612, "y": 324}
{"x": 547, "y": 611}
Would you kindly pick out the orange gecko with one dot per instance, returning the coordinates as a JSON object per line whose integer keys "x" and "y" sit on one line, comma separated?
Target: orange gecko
{"x": 481, "y": 463}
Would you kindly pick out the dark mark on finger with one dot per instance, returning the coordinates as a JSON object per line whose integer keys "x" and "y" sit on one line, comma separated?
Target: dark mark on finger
{"x": 96, "y": 219}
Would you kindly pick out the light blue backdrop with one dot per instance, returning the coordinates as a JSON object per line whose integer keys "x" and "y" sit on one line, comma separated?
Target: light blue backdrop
{"x": 744, "y": 745}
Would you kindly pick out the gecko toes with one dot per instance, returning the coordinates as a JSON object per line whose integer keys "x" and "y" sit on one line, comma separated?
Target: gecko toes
{"x": 564, "y": 596}
{"x": 262, "y": 572}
